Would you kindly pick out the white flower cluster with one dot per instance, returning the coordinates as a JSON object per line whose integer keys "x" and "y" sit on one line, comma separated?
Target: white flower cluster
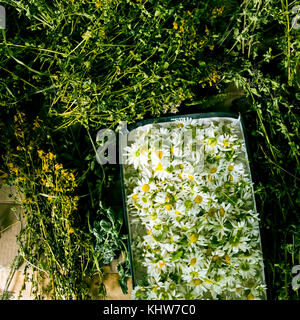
{"x": 195, "y": 232}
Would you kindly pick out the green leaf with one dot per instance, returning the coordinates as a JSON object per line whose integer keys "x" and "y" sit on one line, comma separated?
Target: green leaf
{"x": 105, "y": 225}
{"x": 177, "y": 255}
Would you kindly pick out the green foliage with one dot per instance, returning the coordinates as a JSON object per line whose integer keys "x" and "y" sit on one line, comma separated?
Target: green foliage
{"x": 107, "y": 233}
{"x": 267, "y": 51}
{"x": 99, "y": 64}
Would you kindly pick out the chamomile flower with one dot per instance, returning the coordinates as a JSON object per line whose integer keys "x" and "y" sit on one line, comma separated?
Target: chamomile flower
{"x": 225, "y": 141}
{"x": 135, "y": 157}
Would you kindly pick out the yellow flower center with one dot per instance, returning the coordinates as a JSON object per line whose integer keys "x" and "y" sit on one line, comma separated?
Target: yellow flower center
{"x": 177, "y": 212}
{"x": 135, "y": 196}
{"x": 181, "y": 166}
{"x": 215, "y": 258}
{"x": 197, "y": 282}
{"x": 171, "y": 239}
{"x": 145, "y": 187}
{"x": 168, "y": 207}
{"x": 222, "y": 212}
{"x": 211, "y": 211}
{"x": 213, "y": 170}
{"x": 159, "y": 167}
{"x": 180, "y": 175}
{"x": 250, "y": 296}
{"x": 227, "y": 259}
{"x": 161, "y": 263}
{"x": 198, "y": 199}
{"x": 149, "y": 232}
{"x": 193, "y": 262}
{"x": 180, "y": 125}
{"x": 210, "y": 178}
{"x": 172, "y": 150}
{"x": 226, "y": 143}
{"x": 191, "y": 177}
{"x": 193, "y": 238}
{"x": 230, "y": 168}
{"x": 159, "y": 154}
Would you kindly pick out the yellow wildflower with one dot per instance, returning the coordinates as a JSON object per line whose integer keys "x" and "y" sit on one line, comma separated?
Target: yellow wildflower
{"x": 40, "y": 153}
{"x": 220, "y": 10}
{"x": 15, "y": 170}
{"x": 206, "y": 30}
{"x": 4, "y": 176}
{"x": 58, "y": 166}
